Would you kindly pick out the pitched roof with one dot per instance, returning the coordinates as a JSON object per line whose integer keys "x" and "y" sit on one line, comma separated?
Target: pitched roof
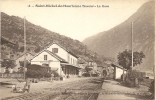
{"x": 23, "y": 55}
{"x": 62, "y": 48}
{"x": 58, "y": 57}
{"x": 52, "y": 54}
{"x": 58, "y": 45}
{"x": 73, "y": 54}
{"x": 67, "y": 64}
{"x": 116, "y": 65}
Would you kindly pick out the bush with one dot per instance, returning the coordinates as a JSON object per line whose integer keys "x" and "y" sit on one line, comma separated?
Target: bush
{"x": 135, "y": 74}
{"x": 86, "y": 74}
{"x": 61, "y": 78}
{"x": 47, "y": 74}
{"x": 55, "y": 74}
{"x": 133, "y": 78}
{"x": 37, "y": 74}
{"x": 68, "y": 76}
{"x": 94, "y": 75}
{"x": 122, "y": 76}
{"x": 151, "y": 88}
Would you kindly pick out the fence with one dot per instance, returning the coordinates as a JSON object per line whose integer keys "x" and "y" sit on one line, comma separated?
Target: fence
{"x": 11, "y": 75}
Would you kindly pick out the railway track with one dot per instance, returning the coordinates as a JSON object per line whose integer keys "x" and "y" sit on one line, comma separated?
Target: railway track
{"x": 56, "y": 92}
{"x": 86, "y": 96}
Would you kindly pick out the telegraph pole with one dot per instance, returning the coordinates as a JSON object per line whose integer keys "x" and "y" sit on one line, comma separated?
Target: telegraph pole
{"x": 85, "y": 50}
{"x": 132, "y": 42}
{"x": 24, "y": 48}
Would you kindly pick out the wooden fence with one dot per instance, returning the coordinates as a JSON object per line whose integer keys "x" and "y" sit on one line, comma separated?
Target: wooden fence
{"x": 11, "y": 75}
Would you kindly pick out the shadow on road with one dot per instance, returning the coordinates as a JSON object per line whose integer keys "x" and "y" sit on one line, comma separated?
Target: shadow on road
{"x": 3, "y": 83}
{"x": 96, "y": 81}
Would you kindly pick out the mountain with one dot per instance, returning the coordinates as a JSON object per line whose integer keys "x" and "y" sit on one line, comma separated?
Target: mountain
{"x": 119, "y": 38}
{"x": 37, "y": 37}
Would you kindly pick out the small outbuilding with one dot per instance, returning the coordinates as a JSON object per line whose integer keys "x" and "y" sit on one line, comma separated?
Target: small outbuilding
{"x": 118, "y": 71}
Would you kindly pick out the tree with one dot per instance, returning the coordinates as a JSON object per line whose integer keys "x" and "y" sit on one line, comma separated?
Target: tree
{"x": 7, "y": 63}
{"x": 37, "y": 71}
{"x": 125, "y": 59}
{"x": 37, "y": 49}
{"x": 151, "y": 88}
{"x": 89, "y": 70}
{"x": 22, "y": 65}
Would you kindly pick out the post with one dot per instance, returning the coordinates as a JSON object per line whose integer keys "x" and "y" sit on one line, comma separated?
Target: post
{"x": 85, "y": 50}
{"x": 24, "y": 48}
{"x": 132, "y": 42}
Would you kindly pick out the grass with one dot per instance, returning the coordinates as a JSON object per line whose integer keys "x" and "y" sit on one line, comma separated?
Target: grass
{"x": 146, "y": 82}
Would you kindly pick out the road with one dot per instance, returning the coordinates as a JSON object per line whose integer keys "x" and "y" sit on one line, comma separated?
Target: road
{"x": 90, "y": 88}
{"x": 74, "y": 88}
{"x": 113, "y": 90}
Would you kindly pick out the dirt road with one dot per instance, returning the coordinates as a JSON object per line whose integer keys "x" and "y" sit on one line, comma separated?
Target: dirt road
{"x": 76, "y": 88}
{"x": 113, "y": 90}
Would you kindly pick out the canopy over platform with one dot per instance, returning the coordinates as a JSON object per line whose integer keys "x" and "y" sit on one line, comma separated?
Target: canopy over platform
{"x": 66, "y": 64}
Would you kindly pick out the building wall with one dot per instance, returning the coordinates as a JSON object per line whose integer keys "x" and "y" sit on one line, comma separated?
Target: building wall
{"x": 64, "y": 54}
{"x": 61, "y": 52}
{"x": 52, "y": 61}
{"x": 73, "y": 60}
{"x": 56, "y": 65}
{"x": 28, "y": 57}
{"x": 93, "y": 64}
{"x": 118, "y": 72}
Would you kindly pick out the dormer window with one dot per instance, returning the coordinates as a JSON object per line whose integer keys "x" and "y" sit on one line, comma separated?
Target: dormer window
{"x": 55, "y": 50}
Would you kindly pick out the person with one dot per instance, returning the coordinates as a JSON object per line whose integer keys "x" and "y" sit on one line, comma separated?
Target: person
{"x": 27, "y": 84}
{"x": 52, "y": 76}
{"x": 104, "y": 73}
{"x": 14, "y": 88}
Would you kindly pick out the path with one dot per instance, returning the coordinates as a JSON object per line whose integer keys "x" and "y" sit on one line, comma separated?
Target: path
{"x": 5, "y": 90}
{"x": 113, "y": 90}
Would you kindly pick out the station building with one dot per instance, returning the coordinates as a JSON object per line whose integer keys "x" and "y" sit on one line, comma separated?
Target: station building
{"x": 59, "y": 59}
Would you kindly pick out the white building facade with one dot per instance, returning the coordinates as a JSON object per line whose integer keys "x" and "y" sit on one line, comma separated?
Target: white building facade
{"x": 118, "y": 71}
{"x": 21, "y": 58}
{"x": 58, "y": 58}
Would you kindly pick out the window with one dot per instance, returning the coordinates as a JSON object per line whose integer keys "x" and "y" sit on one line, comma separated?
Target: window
{"x": 55, "y": 50}
{"x": 45, "y": 57}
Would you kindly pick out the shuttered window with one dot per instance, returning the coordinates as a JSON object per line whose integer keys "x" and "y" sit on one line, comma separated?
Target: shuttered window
{"x": 45, "y": 57}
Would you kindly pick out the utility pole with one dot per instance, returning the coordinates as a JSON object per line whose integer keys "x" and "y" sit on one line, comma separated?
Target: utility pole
{"x": 85, "y": 49}
{"x": 132, "y": 42}
{"x": 24, "y": 48}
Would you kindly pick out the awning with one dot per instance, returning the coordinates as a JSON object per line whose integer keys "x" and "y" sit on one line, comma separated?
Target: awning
{"x": 66, "y": 64}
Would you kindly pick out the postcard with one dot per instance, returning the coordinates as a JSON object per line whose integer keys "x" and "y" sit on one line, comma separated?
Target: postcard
{"x": 77, "y": 50}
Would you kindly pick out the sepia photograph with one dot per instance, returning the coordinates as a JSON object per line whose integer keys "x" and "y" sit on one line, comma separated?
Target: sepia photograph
{"x": 77, "y": 50}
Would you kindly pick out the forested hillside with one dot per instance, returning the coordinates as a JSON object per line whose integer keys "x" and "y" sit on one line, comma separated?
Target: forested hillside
{"x": 12, "y": 28}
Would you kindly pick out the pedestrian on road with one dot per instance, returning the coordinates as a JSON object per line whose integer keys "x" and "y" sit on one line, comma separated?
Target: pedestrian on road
{"x": 104, "y": 73}
{"x": 27, "y": 84}
{"x": 52, "y": 76}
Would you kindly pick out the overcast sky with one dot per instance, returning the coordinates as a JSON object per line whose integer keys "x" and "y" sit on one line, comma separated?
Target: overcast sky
{"x": 75, "y": 22}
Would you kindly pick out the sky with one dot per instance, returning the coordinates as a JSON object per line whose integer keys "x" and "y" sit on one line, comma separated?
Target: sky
{"x": 74, "y": 22}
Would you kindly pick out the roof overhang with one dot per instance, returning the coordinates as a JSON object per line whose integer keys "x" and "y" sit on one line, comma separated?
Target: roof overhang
{"x": 66, "y": 64}
{"x": 114, "y": 65}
